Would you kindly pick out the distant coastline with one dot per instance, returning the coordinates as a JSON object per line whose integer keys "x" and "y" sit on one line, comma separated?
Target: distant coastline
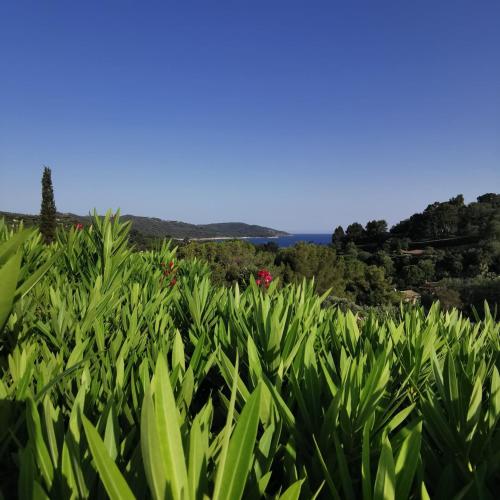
{"x": 216, "y": 238}
{"x": 153, "y": 227}
{"x": 282, "y": 241}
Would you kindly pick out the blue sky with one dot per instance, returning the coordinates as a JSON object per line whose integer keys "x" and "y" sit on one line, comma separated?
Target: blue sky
{"x": 295, "y": 115}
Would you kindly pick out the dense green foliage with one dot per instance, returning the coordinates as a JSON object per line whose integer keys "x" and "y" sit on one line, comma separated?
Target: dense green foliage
{"x": 117, "y": 382}
{"x": 48, "y": 208}
{"x": 453, "y": 219}
{"x": 449, "y": 251}
{"x": 345, "y": 277}
{"x": 440, "y": 220}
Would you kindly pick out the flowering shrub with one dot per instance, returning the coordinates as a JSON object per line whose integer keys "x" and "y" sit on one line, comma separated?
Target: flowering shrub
{"x": 169, "y": 271}
{"x": 264, "y": 278}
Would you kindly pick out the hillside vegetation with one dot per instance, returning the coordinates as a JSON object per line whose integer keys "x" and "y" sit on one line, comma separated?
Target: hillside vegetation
{"x": 146, "y": 230}
{"x": 131, "y": 375}
{"x": 450, "y": 251}
{"x": 346, "y": 279}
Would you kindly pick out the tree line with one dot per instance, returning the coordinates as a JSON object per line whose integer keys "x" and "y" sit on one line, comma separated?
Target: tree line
{"x": 450, "y": 251}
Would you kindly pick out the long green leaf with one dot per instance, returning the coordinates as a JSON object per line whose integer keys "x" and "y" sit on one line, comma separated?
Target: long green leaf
{"x": 385, "y": 482}
{"x": 9, "y": 275}
{"x": 154, "y": 466}
{"x": 407, "y": 461}
{"x": 116, "y": 486}
{"x": 231, "y": 479}
{"x": 169, "y": 435}
{"x": 40, "y": 449}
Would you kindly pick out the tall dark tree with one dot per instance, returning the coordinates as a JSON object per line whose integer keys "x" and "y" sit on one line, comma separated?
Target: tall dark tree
{"x": 355, "y": 232}
{"x": 48, "y": 210}
{"x": 338, "y": 235}
{"x": 376, "y": 228}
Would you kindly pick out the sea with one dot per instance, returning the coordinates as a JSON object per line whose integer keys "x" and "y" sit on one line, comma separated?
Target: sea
{"x": 291, "y": 239}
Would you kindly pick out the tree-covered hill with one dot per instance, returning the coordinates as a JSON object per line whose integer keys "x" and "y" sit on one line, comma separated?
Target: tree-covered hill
{"x": 450, "y": 251}
{"x": 453, "y": 218}
{"x": 152, "y": 227}
{"x": 440, "y": 224}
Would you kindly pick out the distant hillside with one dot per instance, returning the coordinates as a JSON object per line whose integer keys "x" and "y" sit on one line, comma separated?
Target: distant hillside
{"x": 452, "y": 219}
{"x": 450, "y": 251}
{"x": 441, "y": 225}
{"x": 153, "y": 227}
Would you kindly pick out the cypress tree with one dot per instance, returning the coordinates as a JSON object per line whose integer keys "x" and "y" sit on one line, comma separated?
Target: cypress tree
{"x": 48, "y": 210}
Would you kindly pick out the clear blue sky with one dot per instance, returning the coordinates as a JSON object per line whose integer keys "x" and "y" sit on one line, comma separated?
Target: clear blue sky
{"x": 296, "y": 115}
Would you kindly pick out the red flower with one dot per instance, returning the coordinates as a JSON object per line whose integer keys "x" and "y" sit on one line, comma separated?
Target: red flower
{"x": 169, "y": 271}
{"x": 78, "y": 226}
{"x": 264, "y": 277}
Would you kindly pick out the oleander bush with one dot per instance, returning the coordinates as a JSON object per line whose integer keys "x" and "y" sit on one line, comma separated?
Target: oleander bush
{"x": 234, "y": 261}
{"x": 129, "y": 374}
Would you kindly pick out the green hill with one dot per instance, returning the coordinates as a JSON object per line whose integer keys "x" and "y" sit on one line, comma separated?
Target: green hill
{"x": 153, "y": 227}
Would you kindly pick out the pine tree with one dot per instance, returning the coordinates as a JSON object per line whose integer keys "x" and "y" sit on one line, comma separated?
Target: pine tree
{"x": 48, "y": 210}
{"x": 338, "y": 235}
